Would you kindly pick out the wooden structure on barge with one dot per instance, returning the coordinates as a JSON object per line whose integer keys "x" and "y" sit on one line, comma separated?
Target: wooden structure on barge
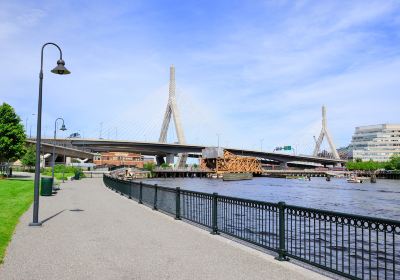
{"x": 221, "y": 161}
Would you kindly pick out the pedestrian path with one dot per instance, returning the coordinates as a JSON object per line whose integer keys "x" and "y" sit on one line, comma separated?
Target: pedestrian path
{"x": 90, "y": 232}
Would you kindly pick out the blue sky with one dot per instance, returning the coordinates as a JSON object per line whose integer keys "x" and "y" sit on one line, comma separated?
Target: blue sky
{"x": 247, "y": 70}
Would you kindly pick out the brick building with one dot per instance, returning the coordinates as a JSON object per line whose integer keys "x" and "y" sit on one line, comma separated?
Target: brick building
{"x": 119, "y": 159}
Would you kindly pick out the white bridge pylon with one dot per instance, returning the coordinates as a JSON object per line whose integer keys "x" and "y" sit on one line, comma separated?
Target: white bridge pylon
{"x": 172, "y": 109}
{"x": 325, "y": 133}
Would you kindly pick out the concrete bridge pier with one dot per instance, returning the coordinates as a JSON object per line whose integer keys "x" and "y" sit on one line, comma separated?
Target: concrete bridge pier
{"x": 43, "y": 159}
{"x": 49, "y": 159}
{"x": 170, "y": 158}
{"x": 67, "y": 160}
{"x": 283, "y": 165}
{"x": 160, "y": 160}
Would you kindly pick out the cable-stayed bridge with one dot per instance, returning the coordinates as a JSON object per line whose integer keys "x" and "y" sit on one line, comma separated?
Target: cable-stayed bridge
{"x": 182, "y": 150}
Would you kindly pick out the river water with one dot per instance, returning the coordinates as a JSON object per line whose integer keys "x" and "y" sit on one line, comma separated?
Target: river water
{"x": 380, "y": 200}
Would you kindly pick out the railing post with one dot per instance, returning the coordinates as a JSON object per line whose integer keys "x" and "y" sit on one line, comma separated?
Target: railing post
{"x": 178, "y": 204}
{"x": 155, "y": 197}
{"x": 282, "y": 238}
{"x": 140, "y": 192}
{"x": 214, "y": 214}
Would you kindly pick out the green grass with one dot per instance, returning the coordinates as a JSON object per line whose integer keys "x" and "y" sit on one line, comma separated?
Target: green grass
{"x": 15, "y": 198}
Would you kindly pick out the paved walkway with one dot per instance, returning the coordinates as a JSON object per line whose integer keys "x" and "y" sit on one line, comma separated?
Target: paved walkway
{"x": 91, "y": 232}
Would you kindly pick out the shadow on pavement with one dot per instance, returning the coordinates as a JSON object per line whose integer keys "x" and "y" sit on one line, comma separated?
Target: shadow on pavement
{"x": 51, "y": 217}
{"x": 76, "y": 210}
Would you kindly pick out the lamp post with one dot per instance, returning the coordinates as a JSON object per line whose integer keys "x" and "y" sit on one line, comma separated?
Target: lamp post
{"x": 218, "y": 134}
{"x": 30, "y": 129}
{"x": 60, "y": 70}
{"x": 261, "y": 144}
{"x": 63, "y": 128}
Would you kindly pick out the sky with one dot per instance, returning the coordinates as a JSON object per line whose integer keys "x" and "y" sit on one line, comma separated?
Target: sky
{"x": 256, "y": 73}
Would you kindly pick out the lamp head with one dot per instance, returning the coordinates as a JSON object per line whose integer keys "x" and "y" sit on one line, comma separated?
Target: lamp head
{"x": 63, "y": 128}
{"x": 60, "y": 68}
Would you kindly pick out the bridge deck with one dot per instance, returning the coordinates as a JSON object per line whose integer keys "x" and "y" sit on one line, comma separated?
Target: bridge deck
{"x": 162, "y": 149}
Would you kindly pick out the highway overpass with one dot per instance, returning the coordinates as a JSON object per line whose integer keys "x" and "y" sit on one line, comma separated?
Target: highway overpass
{"x": 164, "y": 149}
{"x": 47, "y": 148}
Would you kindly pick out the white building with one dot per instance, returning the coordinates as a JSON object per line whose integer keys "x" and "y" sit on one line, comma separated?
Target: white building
{"x": 376, "y": 142}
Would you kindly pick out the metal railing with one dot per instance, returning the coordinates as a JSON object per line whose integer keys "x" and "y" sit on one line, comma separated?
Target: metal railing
{"x": 5, "y": 169}
{"x": 353, "y": 246}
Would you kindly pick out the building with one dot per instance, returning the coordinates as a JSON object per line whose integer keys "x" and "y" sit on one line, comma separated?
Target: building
{"x": 376, "y": 142}
{"x": 119, "y": 159}
{"x": 345, "y": 153}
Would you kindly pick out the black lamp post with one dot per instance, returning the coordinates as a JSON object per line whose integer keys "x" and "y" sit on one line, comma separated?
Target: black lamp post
{"x": 61, "y": 70}
{"x": 63, "y": 128}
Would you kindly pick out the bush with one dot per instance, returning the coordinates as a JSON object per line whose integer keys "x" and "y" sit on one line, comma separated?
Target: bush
{"x": 59, "y": 169}
{"x": 149, "y": 166}
{"x": 164, "y": 165}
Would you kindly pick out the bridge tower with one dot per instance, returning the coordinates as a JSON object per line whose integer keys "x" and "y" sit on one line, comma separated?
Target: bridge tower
{"x": 172, "y": 110}
{"x": 325, "y": 133}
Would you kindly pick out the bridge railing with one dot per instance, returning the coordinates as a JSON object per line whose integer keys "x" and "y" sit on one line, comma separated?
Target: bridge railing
{"x": 186, "y": 169}
{"x": 357, "y": 247}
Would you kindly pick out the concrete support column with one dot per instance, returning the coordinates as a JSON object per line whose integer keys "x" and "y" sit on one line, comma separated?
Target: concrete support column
{"x": 160, "y": 160}
{"x": 50, "y": 159}
{"x": 170, "y": 158}
{"x": 42, "y": 161}
{"x": 44, "y": 158}
{"x": 283, "y": 165}
{"x": 68, "y": 160}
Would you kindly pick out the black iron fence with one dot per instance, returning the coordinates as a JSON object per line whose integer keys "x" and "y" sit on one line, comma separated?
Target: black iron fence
{"x": 5, "y": 169}
{"x": 353, "y": 246}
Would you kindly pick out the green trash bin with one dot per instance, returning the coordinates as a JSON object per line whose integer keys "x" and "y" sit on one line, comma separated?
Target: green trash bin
{"x": 46, "y": 187}
{"x": 77, "y": 175}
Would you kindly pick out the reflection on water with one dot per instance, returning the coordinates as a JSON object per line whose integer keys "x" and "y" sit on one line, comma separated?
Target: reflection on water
{"x": 378, "y": 200}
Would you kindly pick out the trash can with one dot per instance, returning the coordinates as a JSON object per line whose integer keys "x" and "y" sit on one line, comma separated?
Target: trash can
{"x": 77, "y": 175}
{"x": 46, "y": 187}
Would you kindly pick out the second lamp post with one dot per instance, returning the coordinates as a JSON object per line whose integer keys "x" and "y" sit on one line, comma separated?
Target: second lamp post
{"x": 63, "y": 128}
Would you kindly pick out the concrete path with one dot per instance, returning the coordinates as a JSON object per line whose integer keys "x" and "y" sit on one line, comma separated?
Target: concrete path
{"x": 91, "y": 232}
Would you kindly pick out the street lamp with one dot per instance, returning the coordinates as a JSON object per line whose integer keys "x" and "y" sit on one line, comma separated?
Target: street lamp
{"x": 261, "y": 144}
{"x": 63, "y": 128}
{"x": 60, "y": 70}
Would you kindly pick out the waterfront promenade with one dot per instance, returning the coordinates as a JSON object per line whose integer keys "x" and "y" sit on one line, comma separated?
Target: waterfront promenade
{"x": 91, "y": 232}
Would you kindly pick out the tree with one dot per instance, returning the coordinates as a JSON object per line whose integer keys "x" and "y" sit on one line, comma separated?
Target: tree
{"x": 12, "y": 135}
{"x": 394, "y": 163}
{"x": 29, "y": 159}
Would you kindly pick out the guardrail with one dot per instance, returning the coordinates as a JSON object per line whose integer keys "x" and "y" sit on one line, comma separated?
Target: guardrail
{"x": 95, "y": 174}
{"x": 352, "y": 246}
{"x": 186, "y": 169}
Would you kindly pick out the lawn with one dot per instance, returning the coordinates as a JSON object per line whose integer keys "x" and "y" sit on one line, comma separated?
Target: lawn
{"x": 15, "y": 198}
